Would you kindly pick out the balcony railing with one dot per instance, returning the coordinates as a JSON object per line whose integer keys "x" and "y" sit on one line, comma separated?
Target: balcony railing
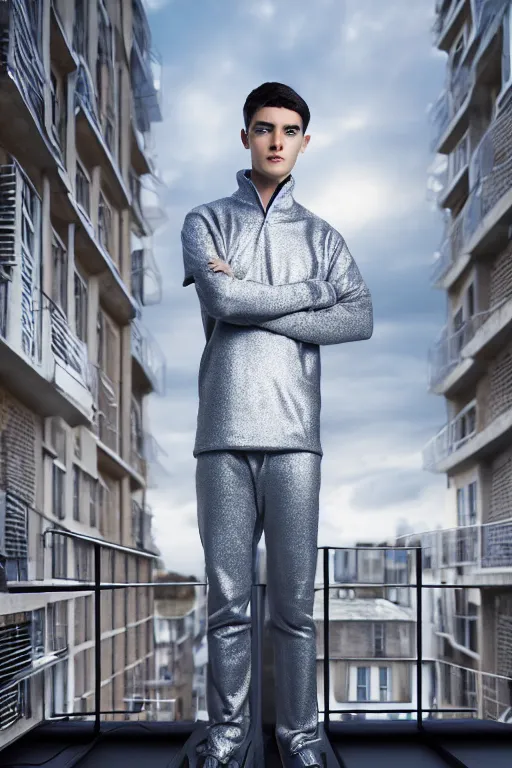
{"x": 446, "y": 11}
{"x": 451, "y": 437}
{"x": 467, "y": 688}
{"x": 490, "y": 173}
{"x": 146, "y": 201}
{"x": 70, "y": 352}
{"x": 451, "y": 248}
{"x": 487, "y": 545}
{"x": 146, "y": 277}
{"x": 446, "y": 354}
{"x": 449, "y": 104}
{"x": 149, "y": 356}
{"x": 20, "y": 54}
{"x": 146, "y": 68}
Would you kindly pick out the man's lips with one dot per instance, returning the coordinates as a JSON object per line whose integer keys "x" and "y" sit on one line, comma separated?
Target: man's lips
{"x": 275, "y": 159}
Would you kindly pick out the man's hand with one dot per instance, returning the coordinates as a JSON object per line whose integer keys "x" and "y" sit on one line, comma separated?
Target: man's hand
{"x": 220, "y": 266}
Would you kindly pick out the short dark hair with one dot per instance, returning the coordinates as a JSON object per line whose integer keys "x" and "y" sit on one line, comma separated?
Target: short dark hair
{"x": 275, "y": 95}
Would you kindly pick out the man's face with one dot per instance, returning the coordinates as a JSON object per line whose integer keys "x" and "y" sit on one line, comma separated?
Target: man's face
{"x": 275, "y": 131}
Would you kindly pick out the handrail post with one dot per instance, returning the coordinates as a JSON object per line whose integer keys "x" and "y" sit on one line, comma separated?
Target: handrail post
{"x": 419, "y": 638}
{"x": 327, "y": 682}
{"x": 97, "y": 637}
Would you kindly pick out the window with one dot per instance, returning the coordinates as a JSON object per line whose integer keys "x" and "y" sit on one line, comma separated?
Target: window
{"x": 105, "y": 225}
{"x": 58, "y": 480}
{"x": 363, "y": 683}
{"x": 83, "y": 189}
{"x": 472, "y": 501}
{"x": 379, "y": 632}
{"x": 60, "y": 274}
{"x": 461, "y": 510}
{"x": 105, "y": 78}
{"x": 58, "y": 93}
{"x": 76, "y": 492}
{"x": 81, "y": 303}
{"x": 384, "y": 684}
{"x": 93, "y": 502}
{"x": 58, "y": 442}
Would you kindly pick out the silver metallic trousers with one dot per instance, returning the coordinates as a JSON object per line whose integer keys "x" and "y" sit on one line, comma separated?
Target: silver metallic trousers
{"x": 239, "y": 495}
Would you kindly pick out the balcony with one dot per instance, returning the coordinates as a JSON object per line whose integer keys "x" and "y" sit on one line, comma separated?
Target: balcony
{"x": 449, "y": 114}
{"x": 487, "y": 213}
{"x": 490, "y": 331}
{"x": 148, "y": 369}
{"x": 449, "y": 368}
{"x": 47, "y": 367}
{"x": 145, "y": 68}
{"x": 22, "y": 86}
{"x": 450, "y": 440}
{"x": 450, "y": 14}
{"x": 85, "y": 734}
{"x": 141, "y": 525}
{"x": 90, "y": 141}
{"x": 146, "y": 278}
{"x": 478, "y": 549}
{"x": 146, "y": 202}
{"x": 452, "y": 257}
{"x": 91, "y": 248}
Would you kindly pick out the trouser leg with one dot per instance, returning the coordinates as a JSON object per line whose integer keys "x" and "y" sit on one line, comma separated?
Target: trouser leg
{"x": 292, "y": 488}
{"x": 230, "y": 525}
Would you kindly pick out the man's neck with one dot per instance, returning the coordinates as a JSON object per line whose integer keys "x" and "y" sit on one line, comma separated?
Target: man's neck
{"x": 265, "y": 186}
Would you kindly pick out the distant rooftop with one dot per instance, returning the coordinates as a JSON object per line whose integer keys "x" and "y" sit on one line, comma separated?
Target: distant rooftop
{"x": 361, "y": 609}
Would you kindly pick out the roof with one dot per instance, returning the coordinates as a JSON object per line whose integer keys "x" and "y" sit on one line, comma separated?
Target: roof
{"x": 360, "y": 609}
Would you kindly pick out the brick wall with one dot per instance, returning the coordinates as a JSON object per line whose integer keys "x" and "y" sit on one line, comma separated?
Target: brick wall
{"x": 501, "y": 488}
{"x": 504, "y": 634}
{"x": 501, "y": 277}
{"x": 500, "y": 384}
{"x": 18, "y": 431}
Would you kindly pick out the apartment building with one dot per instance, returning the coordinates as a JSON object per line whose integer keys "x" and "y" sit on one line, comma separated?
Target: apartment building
{"x": 372, "y": 636}
{"x": 470, "y": 364}
{"x": 79, "y": 90}
{"x": 178, "y": 691}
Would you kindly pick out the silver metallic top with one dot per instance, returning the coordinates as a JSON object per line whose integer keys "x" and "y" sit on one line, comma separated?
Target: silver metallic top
{"x": 295, "y": 286}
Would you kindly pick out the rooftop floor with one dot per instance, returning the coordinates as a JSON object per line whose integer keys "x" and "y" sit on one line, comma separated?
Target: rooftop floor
{"x": 460, "y": 744}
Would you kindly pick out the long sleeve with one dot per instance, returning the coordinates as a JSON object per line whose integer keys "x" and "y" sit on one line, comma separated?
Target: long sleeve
{"x": 242, "y": 302}
{"x": 350, "y": 319}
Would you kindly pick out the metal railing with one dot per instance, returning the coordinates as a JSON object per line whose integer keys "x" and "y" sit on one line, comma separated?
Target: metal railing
{"x": 149, "y": 355}
{"x": 483, "y": 545}
{"x": 453, "y": 436}
{"x": 98, "y": 588}
{"x": 19, "y": 54}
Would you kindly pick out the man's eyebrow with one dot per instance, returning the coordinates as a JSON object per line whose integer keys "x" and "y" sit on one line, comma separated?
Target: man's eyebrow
{"x": 264, "y": 124}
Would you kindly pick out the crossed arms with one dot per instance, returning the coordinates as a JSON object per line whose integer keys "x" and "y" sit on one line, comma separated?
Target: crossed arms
{"x": 313, "y": 311}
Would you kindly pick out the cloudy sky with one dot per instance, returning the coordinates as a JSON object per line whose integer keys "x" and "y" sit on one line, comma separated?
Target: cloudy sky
{"x": 368, "y": 72}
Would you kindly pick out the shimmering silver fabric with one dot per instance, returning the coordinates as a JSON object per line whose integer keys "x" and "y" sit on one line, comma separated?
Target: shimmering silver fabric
{"x": 239, "y": 495}
{"x": 295, "y": 286}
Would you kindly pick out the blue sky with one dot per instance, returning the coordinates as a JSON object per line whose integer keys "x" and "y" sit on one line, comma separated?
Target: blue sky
{"x": 368, "y": 71}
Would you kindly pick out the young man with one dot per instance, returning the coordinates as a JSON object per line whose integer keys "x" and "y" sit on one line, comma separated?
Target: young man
{"x": 274, "y": 282}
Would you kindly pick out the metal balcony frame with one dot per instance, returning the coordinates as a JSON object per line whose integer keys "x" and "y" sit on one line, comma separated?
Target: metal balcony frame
{"x": 426, "y": 737}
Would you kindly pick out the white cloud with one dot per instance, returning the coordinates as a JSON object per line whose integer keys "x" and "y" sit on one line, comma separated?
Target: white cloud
{"x": 156, "y": 5}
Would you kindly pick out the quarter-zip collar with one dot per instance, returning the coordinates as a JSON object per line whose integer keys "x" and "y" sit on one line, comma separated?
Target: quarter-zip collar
{"x": 280, "y": 202}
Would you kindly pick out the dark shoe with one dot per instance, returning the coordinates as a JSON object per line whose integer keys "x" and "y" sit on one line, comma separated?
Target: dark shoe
{"x": 306, "y": 755}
